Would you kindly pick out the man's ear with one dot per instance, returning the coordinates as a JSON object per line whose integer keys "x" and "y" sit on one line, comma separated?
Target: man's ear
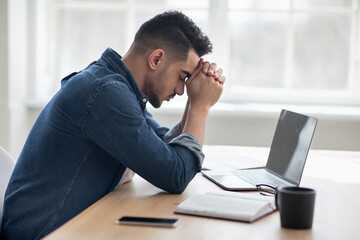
{"x": 156, "y": 59}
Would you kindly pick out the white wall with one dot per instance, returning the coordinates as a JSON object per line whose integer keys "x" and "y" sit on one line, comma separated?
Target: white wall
{"x": 13, "y": 74}
{"x": 4, "y": 72}
{"x": 254, "y": 125}
{"x": 249, "y": 125}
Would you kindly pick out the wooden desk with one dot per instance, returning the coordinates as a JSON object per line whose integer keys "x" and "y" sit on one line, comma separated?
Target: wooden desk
{"x": 334, "y": 175}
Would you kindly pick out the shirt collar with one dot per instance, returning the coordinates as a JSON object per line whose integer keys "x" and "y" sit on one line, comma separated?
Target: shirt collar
{"x": 113, "y": 59}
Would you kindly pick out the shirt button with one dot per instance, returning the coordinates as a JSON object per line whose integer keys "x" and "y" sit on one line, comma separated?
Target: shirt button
{"x": 144, "y": 100}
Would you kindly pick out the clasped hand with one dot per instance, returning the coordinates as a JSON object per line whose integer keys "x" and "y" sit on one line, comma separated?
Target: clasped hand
{"x": 205, "y": 85}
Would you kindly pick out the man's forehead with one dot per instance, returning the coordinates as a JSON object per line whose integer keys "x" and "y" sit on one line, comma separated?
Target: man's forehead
{"x": 191, "y": 64}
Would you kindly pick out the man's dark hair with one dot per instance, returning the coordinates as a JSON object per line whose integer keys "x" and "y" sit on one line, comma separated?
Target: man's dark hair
{"x": 175, "y": 33}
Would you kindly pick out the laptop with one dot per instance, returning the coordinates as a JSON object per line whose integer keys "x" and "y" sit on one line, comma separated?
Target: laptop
{"x": 286, "y": 160}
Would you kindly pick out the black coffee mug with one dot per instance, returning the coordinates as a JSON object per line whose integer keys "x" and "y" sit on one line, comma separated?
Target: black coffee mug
{"x": 296, "y": 206}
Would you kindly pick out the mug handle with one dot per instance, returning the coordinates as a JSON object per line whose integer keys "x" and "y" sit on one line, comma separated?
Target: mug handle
{"x": 276, "y": 200}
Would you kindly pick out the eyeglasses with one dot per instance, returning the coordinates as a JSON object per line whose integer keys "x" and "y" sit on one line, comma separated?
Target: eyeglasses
{"x": 266, "y": 189}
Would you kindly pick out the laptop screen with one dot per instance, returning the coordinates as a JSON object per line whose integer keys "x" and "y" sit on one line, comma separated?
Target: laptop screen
{"x": 290, "y": 145}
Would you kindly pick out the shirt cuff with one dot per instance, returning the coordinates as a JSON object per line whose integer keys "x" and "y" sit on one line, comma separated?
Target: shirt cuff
{"x": 172, "y": 133}
{"x": 188, "y": 141}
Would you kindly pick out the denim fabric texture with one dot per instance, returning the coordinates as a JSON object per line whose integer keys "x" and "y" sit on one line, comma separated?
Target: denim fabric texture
{"x": 94, "y": 128}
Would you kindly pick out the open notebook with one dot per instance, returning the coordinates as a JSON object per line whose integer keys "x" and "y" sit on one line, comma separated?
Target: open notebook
{"x": 228, "y": 205}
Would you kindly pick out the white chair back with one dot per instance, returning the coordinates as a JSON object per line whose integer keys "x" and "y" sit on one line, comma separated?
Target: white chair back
{"x": 7, "y": 164}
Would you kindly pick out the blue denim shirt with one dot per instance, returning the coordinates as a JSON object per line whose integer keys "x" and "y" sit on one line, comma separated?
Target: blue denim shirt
{"x": 94, "y": 128}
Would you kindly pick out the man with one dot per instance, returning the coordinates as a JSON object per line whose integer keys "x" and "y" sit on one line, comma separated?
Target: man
{"x": 96, "y": 131}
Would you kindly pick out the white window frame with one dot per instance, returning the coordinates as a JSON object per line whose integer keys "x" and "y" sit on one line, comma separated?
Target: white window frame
{"x": 350, "y": 96}
{"x": 43, "y": 82}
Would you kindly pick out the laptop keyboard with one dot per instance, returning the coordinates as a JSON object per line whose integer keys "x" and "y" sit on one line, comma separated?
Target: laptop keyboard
{"x": 261, "y": 177}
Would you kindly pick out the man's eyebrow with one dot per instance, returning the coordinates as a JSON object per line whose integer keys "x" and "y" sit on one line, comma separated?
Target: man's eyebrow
{"x": 186, "y": 72}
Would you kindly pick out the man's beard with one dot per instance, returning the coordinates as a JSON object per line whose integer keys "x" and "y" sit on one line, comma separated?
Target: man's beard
{"x": 154, "y": 100}
{"x": 152, "y": 93}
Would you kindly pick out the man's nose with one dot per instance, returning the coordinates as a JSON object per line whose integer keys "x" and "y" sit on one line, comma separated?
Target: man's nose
{"x": 180, "y": 88}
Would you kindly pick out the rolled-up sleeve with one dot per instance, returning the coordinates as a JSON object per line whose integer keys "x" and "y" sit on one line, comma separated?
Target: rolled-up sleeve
{"x": 188, "y": 141}
{"x": 172, "y": 133}
{"x": 174, "y": 136}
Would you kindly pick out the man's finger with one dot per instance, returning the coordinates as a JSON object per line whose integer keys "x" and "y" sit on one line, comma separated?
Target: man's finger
{"x": 212, "y": 69}
{"x": 221, "y": 80}
{"x": 218, "y": 73}
{"x": 206, "y": 67}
